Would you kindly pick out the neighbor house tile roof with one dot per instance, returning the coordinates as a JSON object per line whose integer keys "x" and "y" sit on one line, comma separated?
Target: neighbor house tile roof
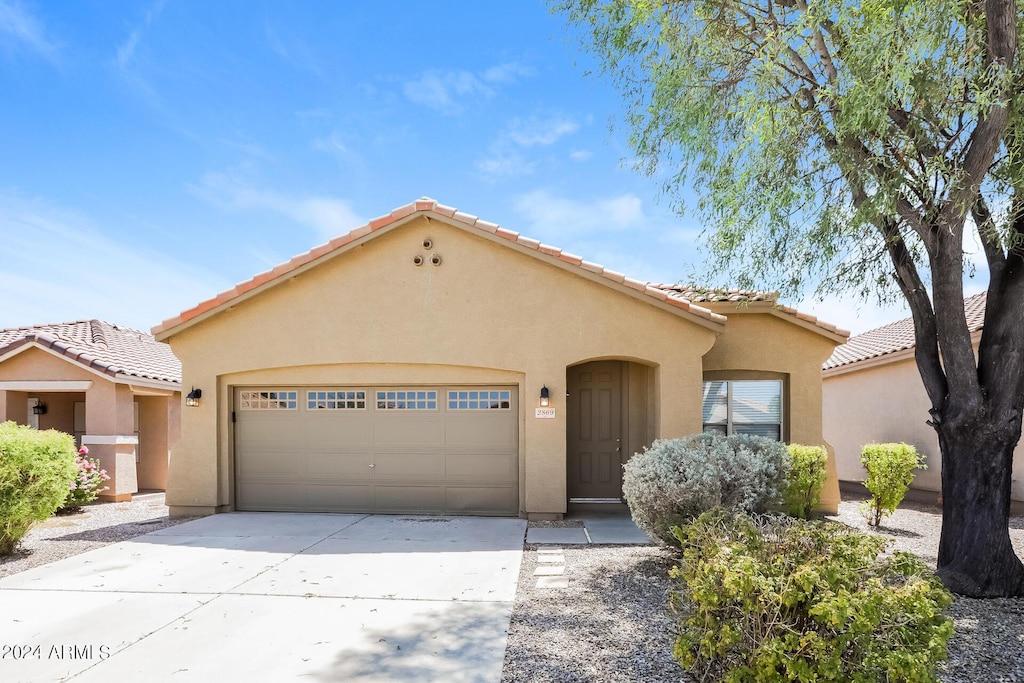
{"x": 712, "y": 295}
{"x": 896, "y": 336}
{"x": 111, "y": 349}
{"x": 673, "y": 295}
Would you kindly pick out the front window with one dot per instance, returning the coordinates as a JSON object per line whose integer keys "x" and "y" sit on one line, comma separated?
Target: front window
{"x": 744, "y": 407}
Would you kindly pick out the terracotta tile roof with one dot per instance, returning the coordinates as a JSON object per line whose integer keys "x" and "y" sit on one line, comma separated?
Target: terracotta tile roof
{"x": 711, "y": 295}
{"x": 427, "y": 205}
{"x": 111, "y": 349}
{"x": 896, "y": 336}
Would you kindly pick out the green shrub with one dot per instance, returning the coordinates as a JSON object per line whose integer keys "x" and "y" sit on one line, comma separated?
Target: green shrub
{"x": 773, "y": 598}
{"x": 87, "y": 483}
{"x": 674, "y": 480}
{"x": 890, "y": 468}
{"x": 806, "y": 479}
{"x": 36, "y": 469}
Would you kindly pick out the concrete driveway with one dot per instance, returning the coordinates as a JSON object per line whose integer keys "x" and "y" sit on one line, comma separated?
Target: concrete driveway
{"x": 272, "y": 597}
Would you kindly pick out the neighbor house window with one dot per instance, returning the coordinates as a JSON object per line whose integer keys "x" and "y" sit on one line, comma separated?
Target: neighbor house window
{"x": 744, "y": 407}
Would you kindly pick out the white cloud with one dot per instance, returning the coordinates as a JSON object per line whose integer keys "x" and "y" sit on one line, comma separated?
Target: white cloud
{"x": 560, "y": 218}
{"x": 534, "y": 131}
{"x": 126, "y": 50}
{"x": 509, "y": 72}
{"x": 504, "y": 155}
{"x": 443, "y": 90}
{"x": 327, "y": 216}
{"x": 447, "y": 91}
{"x": 58, "y": 267}
{"x": 17, "y": 22}
{"x": 580, "y": 155}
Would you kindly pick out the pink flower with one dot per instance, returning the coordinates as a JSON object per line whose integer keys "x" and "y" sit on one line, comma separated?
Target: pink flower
{"x": 84, "y": 450}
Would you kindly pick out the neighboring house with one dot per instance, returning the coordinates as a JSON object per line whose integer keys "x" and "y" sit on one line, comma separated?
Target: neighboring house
{"x": 433, "y": 362}
{"x": 117, "y": 390}
{"x": 874, "y": 393}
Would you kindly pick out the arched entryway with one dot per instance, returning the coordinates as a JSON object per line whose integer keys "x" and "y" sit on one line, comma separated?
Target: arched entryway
{"x": 610, "y": 415}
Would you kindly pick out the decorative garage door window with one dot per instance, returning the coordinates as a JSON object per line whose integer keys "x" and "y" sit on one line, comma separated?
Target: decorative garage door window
{"x": 744, "y": 407}
{"x": 269, "y": 400}
{"x": 406, "y": 400}
{"x": 340, "y": 399}
{"x": 479, "y": 400}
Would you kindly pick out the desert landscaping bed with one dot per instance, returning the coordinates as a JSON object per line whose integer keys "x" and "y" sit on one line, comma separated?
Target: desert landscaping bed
{"x": 611, "y": 623}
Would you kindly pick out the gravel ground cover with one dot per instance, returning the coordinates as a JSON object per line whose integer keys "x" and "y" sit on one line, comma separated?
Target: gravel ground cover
{"x": 612, "y": 622}
{"x": 95, "y": 526}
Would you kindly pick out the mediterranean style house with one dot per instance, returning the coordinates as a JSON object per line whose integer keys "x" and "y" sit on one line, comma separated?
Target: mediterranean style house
{"x": 873, "y": 393}
{"x": 117, "y": 390}
{"x": 433, "y": 362}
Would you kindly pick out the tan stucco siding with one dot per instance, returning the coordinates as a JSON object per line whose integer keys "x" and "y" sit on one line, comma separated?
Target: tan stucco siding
{"x": 887, "y": 403}
{"x": 762, "y": 342}
{"x": 487, "y": 315}
{"x": 34, "y": 364}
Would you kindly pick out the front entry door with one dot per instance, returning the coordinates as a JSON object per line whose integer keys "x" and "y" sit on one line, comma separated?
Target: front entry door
{"x": 594, "y": 438}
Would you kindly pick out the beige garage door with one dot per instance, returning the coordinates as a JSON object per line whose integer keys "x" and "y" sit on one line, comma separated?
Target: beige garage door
{"x": 436, "y": 450}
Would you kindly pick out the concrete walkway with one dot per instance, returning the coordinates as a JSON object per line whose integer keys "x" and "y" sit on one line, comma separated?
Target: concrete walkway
{"x": 597, "y": 529}
{"x": 272, "y": 597}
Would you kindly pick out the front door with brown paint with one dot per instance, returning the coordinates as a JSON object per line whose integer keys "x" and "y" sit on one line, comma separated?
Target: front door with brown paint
{"x": 594, "y": 437}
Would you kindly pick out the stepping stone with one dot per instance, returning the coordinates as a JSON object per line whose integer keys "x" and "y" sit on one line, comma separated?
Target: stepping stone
{"x": 549, "y": 570}
{"x": 551, "y": 559}
{"x": 552, "y": 582}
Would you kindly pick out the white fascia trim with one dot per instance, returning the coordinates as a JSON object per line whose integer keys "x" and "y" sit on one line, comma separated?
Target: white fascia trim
{"x": 47, "y": 385}
{"x": 109, "y": 440}
{"x": 144, "y": 384}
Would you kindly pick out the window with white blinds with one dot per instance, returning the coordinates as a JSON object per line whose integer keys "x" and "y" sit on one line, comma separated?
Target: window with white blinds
{"x": 744, "y": 407}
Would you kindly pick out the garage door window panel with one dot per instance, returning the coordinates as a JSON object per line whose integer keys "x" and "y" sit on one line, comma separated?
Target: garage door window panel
{"x": 337, "y": 399}
{"x": 479, "y": 400}
{"x": 268, "y": 400}
{"x": 406, "y": 400}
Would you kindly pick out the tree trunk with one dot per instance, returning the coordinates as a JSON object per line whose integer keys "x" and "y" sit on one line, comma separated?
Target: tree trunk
{"x": 976, "y": 558}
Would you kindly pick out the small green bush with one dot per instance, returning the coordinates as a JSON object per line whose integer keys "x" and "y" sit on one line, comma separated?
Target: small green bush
{"x": 773, "y": 598}
{"x": 87, "y": 484}
{"x": 36, "y": 469}
{"x": 806, "y": 479}
{"x": 674, "y": 480}
{"x": 890, "y": 468}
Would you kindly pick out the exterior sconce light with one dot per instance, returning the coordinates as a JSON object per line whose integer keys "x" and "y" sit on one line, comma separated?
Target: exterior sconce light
{"x": 192, "y": 399}
{"x": 39, "y": 409}
{"x": 545, "y": 396}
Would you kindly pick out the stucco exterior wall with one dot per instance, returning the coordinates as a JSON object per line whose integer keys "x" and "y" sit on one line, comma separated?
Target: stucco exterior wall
{"x": 755, "y": 343}
{"x": 488, "y": 314}
{"x": 887, "y": 403}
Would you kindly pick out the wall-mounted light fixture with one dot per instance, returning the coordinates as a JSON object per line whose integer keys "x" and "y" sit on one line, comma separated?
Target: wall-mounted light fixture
{"x": 192, "y": 399}
{"x": 545, "y": 396}
{"x": 39, "y": 408}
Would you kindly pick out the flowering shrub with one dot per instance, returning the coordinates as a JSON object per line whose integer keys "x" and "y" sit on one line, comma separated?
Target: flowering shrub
{"x": 85, "y": 487}
{"x": 35, "y": 467}
{"x": 674, "y": 480}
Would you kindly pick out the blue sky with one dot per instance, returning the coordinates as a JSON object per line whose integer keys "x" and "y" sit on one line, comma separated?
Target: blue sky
{"x": 156, "y": 153}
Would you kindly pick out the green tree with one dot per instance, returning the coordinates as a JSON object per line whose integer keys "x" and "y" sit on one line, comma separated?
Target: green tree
{"x": 850, "y": 145}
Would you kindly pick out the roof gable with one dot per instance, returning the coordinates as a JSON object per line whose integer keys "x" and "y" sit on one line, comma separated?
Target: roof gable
{"x": 112, "y": 350}
{"x": 755, "y": 301}
{"x": 428, "y": 207}
{"x": 896, "y": 336}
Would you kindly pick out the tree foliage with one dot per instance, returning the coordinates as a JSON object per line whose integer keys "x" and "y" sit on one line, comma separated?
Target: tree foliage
{"x": 848, "y": 144}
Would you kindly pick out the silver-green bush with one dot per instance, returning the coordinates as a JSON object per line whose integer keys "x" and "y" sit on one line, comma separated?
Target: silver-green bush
{"x": 674, "y": 480}
{"x": 36, "y": 470}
